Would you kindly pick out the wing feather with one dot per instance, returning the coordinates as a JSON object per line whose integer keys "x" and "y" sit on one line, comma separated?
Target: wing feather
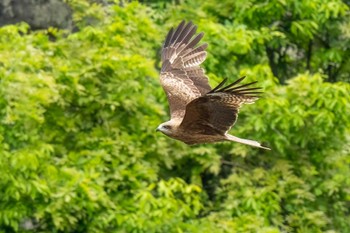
{"x": 200, "y": 48}
{"x": 182, "y": 78}
{"x": 168, "y": 37}
{"x": 178, "y": 31}
{"x": 219, "y": 108}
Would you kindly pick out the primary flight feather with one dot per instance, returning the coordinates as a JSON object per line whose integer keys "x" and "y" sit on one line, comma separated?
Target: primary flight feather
{"x": 199, "y": 114}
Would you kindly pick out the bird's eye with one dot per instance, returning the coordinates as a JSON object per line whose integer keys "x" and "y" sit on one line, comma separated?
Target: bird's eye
{"x": 167, "y": 127}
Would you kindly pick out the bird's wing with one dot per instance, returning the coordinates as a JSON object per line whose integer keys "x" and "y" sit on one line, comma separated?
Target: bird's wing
{"x": 217, "y": 111}
{"x": 182, "y": 78}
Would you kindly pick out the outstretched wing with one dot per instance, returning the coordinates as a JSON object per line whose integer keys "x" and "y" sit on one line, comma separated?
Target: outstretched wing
{"x": 217, "y": 111}
{"x": 182, "y": 78}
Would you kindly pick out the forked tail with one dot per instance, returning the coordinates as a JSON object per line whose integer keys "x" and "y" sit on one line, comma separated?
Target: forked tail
{"x": 245, "y": 141}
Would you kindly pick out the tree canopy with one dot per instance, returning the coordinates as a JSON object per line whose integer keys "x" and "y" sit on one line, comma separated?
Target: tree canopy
{"x": 78, "y": 111}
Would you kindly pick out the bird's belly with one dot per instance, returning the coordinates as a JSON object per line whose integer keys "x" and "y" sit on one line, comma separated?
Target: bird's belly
{"x": 192, "y": 139}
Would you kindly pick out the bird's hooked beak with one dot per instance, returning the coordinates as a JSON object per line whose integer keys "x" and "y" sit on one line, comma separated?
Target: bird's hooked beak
{"x": 157, "y": 129}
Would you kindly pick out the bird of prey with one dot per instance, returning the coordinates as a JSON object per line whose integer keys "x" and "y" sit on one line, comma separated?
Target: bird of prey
{"x": 199, "y": 114}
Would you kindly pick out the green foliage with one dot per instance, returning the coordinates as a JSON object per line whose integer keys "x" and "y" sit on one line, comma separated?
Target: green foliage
{"x": 78, "y": 113}
{"x": 292, "y": 36}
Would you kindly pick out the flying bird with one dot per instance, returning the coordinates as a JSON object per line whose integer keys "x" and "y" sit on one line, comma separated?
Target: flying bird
{"x": 199, "y": 114}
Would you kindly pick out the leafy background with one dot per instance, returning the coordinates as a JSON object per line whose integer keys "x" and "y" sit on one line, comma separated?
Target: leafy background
{"x": 78, "y": 112}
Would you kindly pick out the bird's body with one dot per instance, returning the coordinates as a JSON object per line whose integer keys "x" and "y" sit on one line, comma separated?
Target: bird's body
{"x": 205, "y": 135}
{"x": 199, "y": 114}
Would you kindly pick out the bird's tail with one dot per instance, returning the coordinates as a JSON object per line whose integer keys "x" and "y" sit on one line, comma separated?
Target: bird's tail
{"x": 245, "y": 141}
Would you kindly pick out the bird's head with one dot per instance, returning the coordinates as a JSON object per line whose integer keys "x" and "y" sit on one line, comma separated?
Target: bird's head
{"x": 167, "y": 128}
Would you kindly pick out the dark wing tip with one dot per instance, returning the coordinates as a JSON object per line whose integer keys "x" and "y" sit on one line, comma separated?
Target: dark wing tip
{"x": 168, "y": 37}
{"x": 218, "y": 86}
{"x": 173, "y": 33}
{"x": 234, "y": 83}
{"x": 204, "y": 46}
{"x": 182, "y": 23}
{"x": 183, "y": 33}
{"x": 238, "y": 90}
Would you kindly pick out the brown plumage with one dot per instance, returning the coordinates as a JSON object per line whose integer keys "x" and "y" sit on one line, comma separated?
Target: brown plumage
{"x": 199, "y": 114}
